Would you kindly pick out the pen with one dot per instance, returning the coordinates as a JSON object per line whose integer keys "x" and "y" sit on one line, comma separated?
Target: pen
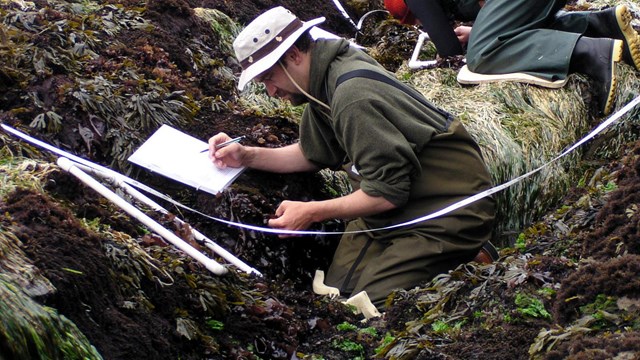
{"x": 221, "y": 145}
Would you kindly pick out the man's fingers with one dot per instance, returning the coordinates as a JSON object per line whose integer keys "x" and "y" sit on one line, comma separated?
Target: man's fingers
{"x": 219, "y": 164}
{"x": 275, "y": 223}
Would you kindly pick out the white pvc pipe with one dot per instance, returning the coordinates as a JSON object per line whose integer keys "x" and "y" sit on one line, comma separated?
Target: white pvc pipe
{"x": 121, "y": 179}
{"x": 117, "y": 181}
{"x": 414, "y": 63}
{"x": 359, "y": 26}
{"x": 210, "y": 264}
{"x": 197, "y": 234}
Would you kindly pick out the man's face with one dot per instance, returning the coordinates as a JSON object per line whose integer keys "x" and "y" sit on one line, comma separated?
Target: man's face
{"x": 279, "y": 85}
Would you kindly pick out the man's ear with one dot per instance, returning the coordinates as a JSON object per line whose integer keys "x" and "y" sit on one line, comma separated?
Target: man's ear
{"x": 293, "y": 55}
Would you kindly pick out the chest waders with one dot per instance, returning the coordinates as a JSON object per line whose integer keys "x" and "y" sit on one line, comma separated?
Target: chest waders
{"x": 442, "y": 126}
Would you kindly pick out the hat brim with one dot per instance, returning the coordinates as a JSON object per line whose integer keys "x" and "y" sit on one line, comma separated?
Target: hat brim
{"x": 268, "y": 61}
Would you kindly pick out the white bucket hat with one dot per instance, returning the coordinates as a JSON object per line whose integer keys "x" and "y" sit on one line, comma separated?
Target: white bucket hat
{"x": 263, "y": 42}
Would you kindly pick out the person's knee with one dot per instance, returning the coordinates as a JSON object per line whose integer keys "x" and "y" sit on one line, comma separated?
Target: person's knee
{"x": 473, "y": 62}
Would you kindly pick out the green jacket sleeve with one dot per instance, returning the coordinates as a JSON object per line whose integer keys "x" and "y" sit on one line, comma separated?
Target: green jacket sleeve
{"x": 383, "y": 157}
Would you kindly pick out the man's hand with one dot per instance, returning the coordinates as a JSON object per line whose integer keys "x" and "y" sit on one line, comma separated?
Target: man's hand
{"x": 232, "y": 155}
{"x": 462, "y": 32}
{"x": 293, "y": 215}
{"x": 297, "y": 215}
{"x": 286, "y": 159}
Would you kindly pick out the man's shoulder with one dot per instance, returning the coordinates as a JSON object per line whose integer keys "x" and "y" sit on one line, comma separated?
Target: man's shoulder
{"x": 363, "y": 82}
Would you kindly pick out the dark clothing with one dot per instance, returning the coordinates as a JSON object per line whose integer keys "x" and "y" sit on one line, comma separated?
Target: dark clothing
{"x": 412, "y": 154}
{"x": 522, "y": 36}
{"x": 530, "y": 36}
{"x": 462, "y": 10}
{"x": 436, "y": 18}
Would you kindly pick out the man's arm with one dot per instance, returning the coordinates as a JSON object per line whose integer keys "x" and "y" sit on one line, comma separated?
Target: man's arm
{"x": 286, "y": 159}
{"x": 297, "y": 215}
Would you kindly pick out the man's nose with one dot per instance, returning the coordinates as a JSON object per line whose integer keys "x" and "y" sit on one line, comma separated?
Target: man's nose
{"x": 271, "y": 90}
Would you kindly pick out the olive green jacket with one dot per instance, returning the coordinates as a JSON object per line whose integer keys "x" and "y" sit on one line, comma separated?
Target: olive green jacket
{"x": 416, "y": 156}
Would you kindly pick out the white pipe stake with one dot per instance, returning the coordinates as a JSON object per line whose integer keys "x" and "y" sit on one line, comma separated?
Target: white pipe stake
{"x": 115, "y": 176}
{"x": 197, "y": 234}
{"x": 210, "y": 264}
{"x": 414, "y": 63}
{"x": 121, "y": 182}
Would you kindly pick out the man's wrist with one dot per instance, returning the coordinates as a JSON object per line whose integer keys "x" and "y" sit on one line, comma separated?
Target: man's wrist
{"x": 248, "y": 158}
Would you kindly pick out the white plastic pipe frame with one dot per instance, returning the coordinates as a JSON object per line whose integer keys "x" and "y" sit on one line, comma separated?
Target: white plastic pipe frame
{"x": 414, "y": 63}
{"x": 222, "y": 252}
{"x": 115, "y": 176}
{"x": 119, "y": 182}
{"x": 210, "y": 264}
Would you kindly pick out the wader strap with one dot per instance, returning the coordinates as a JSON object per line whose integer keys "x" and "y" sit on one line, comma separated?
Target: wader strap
{"x": 363, "y": 252}
{"x": 370, "y": 74}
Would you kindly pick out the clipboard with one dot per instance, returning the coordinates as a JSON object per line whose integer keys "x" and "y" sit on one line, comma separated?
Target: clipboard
{"x": 178, "y": 156}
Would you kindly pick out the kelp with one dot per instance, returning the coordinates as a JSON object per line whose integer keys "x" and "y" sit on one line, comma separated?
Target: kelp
{"x": 521, "y": 127}
{"x": 17, "y": 269}
{"x": 226, "y": 28}
{"x": 18, "y": 172}
{"x": 31, "y": 331}
{"x": 142, "y": 275}
{"x": 61, "y": 46}
{"x": 153, "y": 289}
{"x": 471, "y": 296}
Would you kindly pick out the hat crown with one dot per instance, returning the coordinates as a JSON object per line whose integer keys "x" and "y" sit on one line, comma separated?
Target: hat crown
{"x": 262, "y": 31}
{"x": 261, "y": 44}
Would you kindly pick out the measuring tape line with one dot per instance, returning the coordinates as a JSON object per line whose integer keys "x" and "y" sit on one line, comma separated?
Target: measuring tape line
{"x": 612, "y": 119}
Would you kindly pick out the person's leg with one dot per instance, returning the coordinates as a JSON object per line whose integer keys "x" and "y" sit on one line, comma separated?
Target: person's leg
{"x": 435, "y": 22}
{"x": 596, "y": 57}
{"x": 512, "y": 36}
{"x": 596, "y": 53}
{"x": 351, "y": 256}
{"x": 613, "y": 23}
{"x": 409, "y": 261}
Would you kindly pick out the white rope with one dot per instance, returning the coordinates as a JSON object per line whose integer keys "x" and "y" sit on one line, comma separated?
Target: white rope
{"x": 222, "y": 252}
{"x": 209, "y": 263}
{"x": 123, "y": 182}
{"x": 612, "y": 119}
